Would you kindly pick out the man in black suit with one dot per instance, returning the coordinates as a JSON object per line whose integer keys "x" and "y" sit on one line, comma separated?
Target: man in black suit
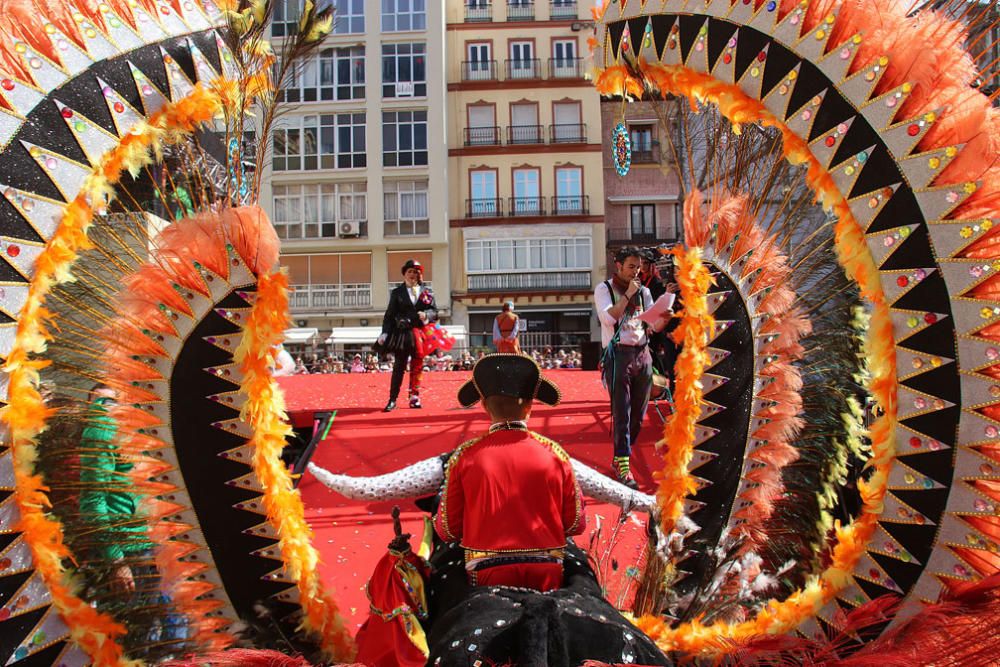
{"x": 411, "y": 306}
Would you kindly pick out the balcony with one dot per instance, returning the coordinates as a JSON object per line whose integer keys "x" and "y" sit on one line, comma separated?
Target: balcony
{"x": 562, "y": 10}
{"x": 566, "y": 68}
{"x": 525, "y": 134}
{"x": 571, "y": 205}
{"x": 481, "y": 136}
{"x": 568, "y": 133}
{"x": 527, "y": 206}
{"x": 643, "y": 155}
{"x": 347, "y": 296}
{"x": 548, "y": 280}
{"x": 477, "y": 11}
{"x": 484, "y": 208}
{"x": 518, "y": 10}
{"x": 479, "y": 70}
{"x": 522, "y": 69}
{"x": 626, "y": 236}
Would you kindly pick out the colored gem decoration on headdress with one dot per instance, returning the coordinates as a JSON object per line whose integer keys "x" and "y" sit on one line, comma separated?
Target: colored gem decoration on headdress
{"x": 621, "y": 149}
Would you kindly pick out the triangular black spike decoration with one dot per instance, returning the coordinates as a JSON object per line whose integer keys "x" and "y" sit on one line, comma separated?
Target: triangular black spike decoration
{"x": 636, "y": 34}
{"x": 661, "y": 31}
{"x": 615, "y": 31}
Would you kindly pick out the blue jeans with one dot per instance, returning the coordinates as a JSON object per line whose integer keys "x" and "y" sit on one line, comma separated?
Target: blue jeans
{"x": 629, "y": 378}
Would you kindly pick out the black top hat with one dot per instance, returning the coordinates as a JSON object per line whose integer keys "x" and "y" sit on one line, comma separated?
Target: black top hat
{"x": 412, "y": 264}
{"x": 507, "y": 375}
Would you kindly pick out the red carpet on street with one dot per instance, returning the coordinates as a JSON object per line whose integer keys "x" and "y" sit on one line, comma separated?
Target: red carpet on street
{"x": 351, "y": 535}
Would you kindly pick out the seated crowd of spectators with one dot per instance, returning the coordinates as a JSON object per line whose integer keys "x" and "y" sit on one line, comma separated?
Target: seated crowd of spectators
{"x": 439, "y": 361}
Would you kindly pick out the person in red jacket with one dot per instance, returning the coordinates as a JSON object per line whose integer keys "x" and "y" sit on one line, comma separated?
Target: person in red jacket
{"x": 510, "y": 498}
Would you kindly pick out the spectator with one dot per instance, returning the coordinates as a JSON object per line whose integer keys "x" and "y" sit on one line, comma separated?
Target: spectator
{"x": 300, "y": 367}
{"x": 357, "y": 365}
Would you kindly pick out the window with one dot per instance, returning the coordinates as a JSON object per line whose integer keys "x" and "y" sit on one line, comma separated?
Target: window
{"x": 350, "y": 140}
{"x": 404, "y": 138}
{"x": 643, "y": 220}
{"x": 314, "y": 211}
{"x": 538, "y": 254}
{"x": 524, "y": 127}
{"x": 564, "y": 60}
{"x": 642, "y": 142}
{"x": 329, "y": 141}
{"x": 406, "y": 208}
{"x": 348, "y": 16}
{"x": 349, "y": 65}
{"x": 522, "y": 63}
{"x": 567, "y": 126}
{"x": 333, "y": 74}
{"x": 482, "y": 130}
{"x": 285, "y": 19}
{"x": 336, "y": 280}
{"x": 569, "y": 190}
{"x": 479, "y": 62}
{"x": 483, "y": 193}
{"x": 526, "y": 199}
{"x": 404, "y": 70}
{"x": 403, "y": 15}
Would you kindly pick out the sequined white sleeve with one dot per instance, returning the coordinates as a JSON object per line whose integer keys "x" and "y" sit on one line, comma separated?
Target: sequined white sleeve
{"x": 427, "y": 476}
{"x": 420, "y": 479}
{"x": 601, "y": 487}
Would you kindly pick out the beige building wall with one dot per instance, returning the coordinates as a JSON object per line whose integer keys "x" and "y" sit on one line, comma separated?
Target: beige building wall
{"x": 319, "y": 305}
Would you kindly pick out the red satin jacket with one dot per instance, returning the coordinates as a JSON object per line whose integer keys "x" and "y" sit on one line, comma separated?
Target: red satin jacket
{"x": 510, "y": 491}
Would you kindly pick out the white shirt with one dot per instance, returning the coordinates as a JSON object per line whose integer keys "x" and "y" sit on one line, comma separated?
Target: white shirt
{"x": 414, "y": 293}
{"x": 632, "y": 331}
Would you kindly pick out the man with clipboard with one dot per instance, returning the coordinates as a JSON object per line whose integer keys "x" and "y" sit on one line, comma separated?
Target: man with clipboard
{"x": 628, "y": 316}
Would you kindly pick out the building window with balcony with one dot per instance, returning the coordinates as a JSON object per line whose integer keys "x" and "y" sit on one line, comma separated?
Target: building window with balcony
{"x": 642, "y": 142}
{"x": 483, "y": 201}
{"x": 563, "y": 10}
{"x": 524, "y": 127}
{"x": 406, "y": 208}
{"x": 522, "y": 63}
{"x": 404, "y": 70}
{"x": 337, "y": 281}
{"x": 404, "y": 138}
{"x": 569, "y": 199}
{"x": 527, "y": 199}
{"x": 520, "y": 10}
{"x": 482, "y": 129}
{"x": 567, "y": 126}
{"x": 320, "y": 211}
{"x": 348, "y": 16}
{"x": 478, "y": 11}
{"x": 643, "y": 222}
{"x": 564, "y": 63}
{"x": 404, "y": 15}
{"x": 479, "y": 64}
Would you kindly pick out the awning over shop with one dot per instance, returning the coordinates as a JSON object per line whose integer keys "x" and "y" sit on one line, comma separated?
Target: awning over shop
{"x": 368, "y": 335}
{"x": 301, "y": 336}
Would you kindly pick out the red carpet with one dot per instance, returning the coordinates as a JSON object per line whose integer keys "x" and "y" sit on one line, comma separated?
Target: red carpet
{"x": 351, "y": 536}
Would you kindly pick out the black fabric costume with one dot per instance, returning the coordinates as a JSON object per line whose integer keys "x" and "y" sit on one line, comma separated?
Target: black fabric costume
{"x": 502, "y": 625}
{"x": 401, "y": 316}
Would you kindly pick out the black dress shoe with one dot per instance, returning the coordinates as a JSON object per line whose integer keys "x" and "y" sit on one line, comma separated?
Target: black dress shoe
{"x": 390, "y": 406}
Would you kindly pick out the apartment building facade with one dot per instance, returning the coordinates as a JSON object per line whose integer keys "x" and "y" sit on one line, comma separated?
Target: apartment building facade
{"x": 357, "y": 177}
{"x": 525, "y": 184}
{"x": 644, "y": 207}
